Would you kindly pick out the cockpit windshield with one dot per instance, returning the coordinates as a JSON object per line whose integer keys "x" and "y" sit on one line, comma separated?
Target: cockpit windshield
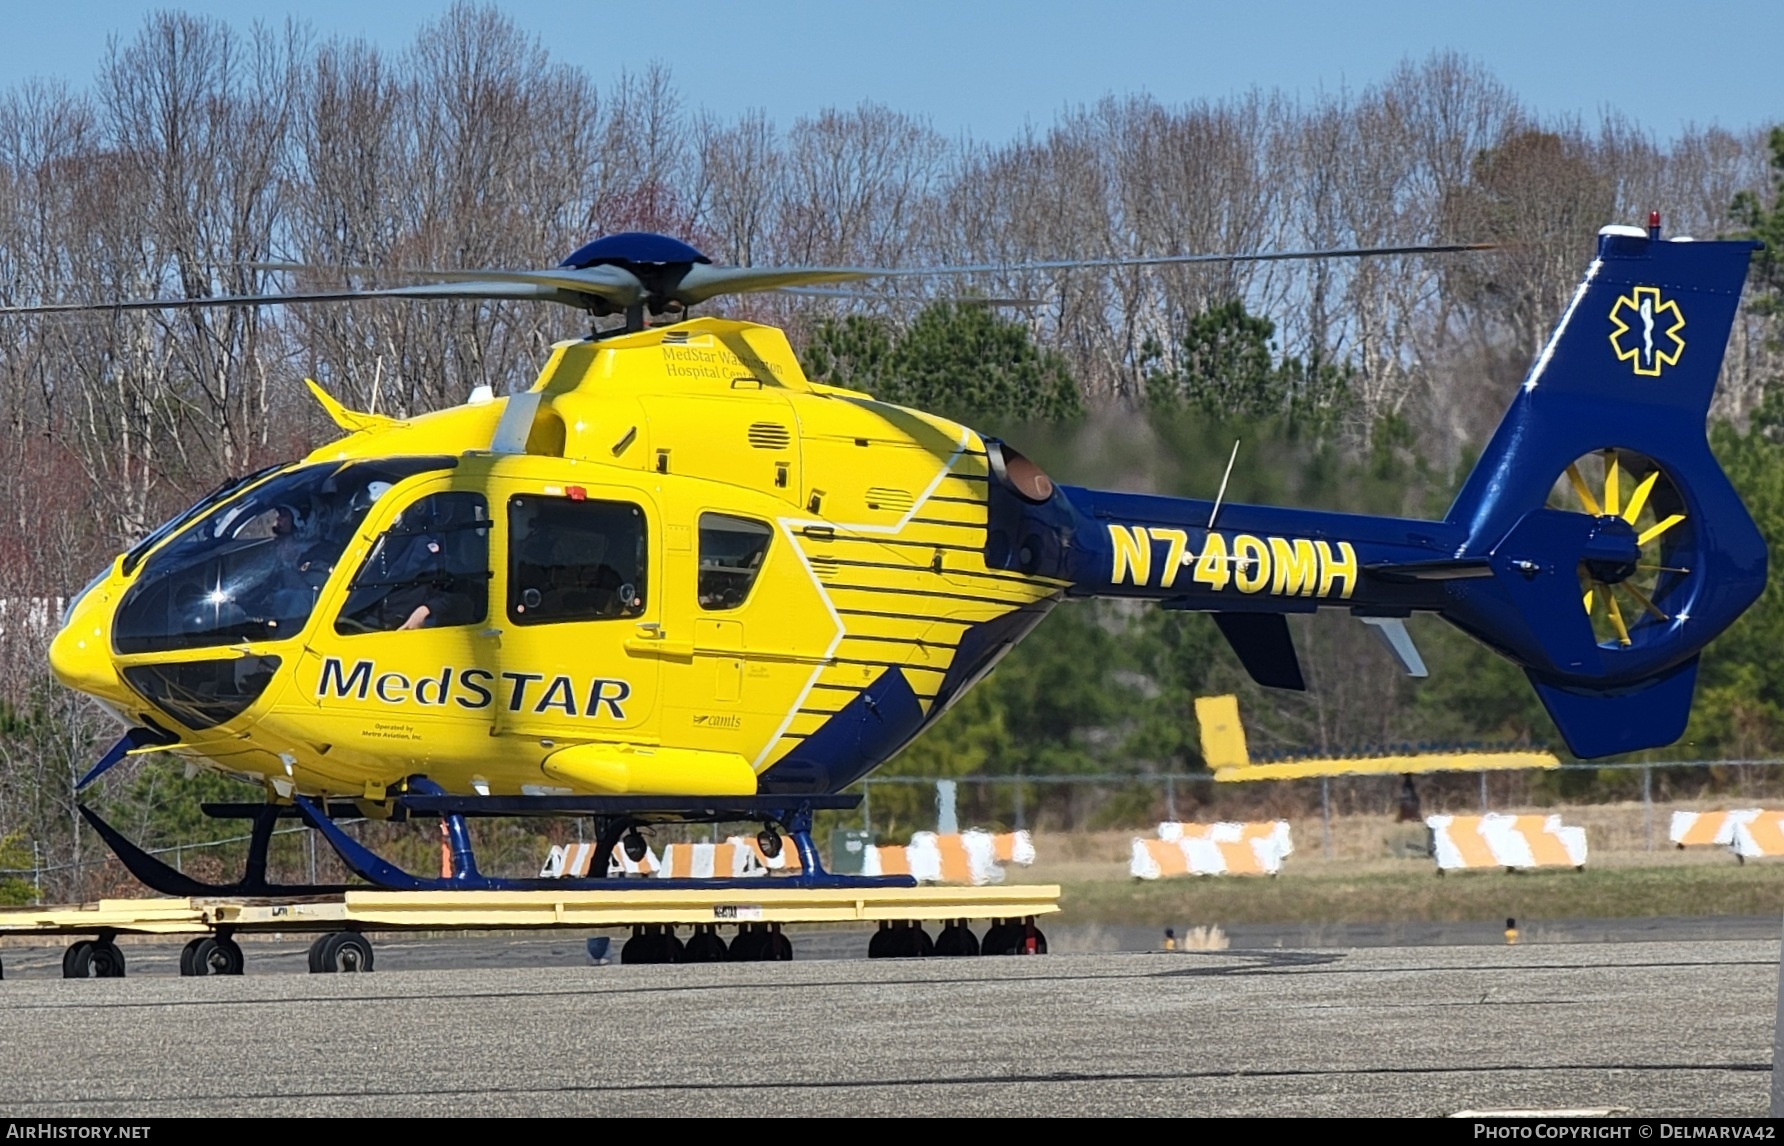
{"x": 252, "y": 567}
{"x": 173, "y": 524}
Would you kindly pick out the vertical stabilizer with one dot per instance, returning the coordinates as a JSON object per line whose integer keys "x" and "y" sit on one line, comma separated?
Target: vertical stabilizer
{"x": 1223, "y": 737}
{"x": 1618, "y": 547}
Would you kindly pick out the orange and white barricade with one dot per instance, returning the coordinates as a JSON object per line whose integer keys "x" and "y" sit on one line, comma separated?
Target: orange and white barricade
{"x": 1699, "y": 829}
{"x": 568, "y": 861}
{"x": 892, "y": 859}
{"x": 786, "y": 862}
{"x": 1158, "y": 859}
{"x": 1751, "y": 832}
{"x": 1013, "y": 848}
{"x": 572, "y": 861}
{"x": 1498, "y": 840}
{"x": 1275, "y": 831}
{"x": 621, "y": 864}
{"x": 957, "y": 858}
{"x": 1763, "y": 835}
{"x": 1212, "y": 849}
{"x": 972, "y": 858}
{"x": 709, "y": 861}
{"x": 739, "y": 857}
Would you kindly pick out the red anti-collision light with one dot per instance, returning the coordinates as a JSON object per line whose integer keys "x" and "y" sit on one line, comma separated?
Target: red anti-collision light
{"x": 1653, "y": 224}
{"x": 576, "y": 493}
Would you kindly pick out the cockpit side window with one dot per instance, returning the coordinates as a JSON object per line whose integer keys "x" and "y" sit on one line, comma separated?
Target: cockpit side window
{"x": 574, "y": 560}
{"x": 731, "y": 553}
{"x": 429, "y": 570}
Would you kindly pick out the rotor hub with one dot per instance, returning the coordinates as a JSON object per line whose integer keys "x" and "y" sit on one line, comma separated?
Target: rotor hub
{"x": 1613, "y": 552}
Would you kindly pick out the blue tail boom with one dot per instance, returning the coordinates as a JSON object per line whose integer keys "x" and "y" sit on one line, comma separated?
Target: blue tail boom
{"x": 1605, "y": 600}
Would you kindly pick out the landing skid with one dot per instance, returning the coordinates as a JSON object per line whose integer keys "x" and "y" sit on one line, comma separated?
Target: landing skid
{"x": 158, "y": 876}
{"x": 617, "y": 817}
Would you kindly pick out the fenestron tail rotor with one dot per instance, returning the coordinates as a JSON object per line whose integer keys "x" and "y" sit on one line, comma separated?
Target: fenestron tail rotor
{"x": 1623, "y": 598}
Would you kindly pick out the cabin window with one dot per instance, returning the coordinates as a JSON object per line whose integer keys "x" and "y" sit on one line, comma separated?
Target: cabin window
{"x": 429, "y": 570}
{"x": 574, "y": 560}
{"x": 731, "y": 552}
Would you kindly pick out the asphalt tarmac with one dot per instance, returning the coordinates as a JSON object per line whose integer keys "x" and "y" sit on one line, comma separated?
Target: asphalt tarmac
{"x": 526, "y": 1026}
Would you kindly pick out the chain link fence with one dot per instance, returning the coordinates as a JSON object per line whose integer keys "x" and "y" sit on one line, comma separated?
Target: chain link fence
{"x": 892, "y": 807}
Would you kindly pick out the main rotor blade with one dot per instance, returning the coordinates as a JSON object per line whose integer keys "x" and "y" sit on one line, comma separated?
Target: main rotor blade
{"x": 620, "y": 286}
{"x": 704, "y": 281}
{"x": 464, "y": 290}
{"x": 617, "y": 285}
{"x": 961, "y": 300}
{"x": 1163, "y": 260}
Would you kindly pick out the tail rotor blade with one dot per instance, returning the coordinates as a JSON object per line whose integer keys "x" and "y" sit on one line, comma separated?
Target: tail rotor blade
{"x": 1616, "y": 616}
{"x": 1638, "y": 500}
{"x": 1582, "y": 490}
{"x": 1659, "y": 528}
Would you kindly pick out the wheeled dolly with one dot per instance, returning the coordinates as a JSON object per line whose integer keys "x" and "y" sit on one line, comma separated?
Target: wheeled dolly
{"x": 723, "y": 923}
{"x": 212, "y": 955}
{"x": 906, "y": 939}
{"x": 93, "y": 959}
{"x": 219, "y": 954}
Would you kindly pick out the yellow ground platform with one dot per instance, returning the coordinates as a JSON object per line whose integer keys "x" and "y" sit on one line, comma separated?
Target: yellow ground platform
{"x": 476, "y": 910}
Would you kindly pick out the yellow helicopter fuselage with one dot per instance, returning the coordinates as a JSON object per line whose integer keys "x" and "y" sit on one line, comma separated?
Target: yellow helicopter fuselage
{"x": 673, "y": 567}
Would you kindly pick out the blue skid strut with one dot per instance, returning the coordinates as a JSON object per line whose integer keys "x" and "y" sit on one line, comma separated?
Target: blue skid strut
{"x": 796, "y": 817}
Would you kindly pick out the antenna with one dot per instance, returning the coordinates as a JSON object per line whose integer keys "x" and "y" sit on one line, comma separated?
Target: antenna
{"x": 1221, "y": 496}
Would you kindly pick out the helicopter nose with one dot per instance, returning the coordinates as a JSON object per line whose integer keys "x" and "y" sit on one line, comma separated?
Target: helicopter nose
{"x": 80, "y": 655}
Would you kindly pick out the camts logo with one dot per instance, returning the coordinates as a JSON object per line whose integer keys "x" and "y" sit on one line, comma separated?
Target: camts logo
{"x": 1645, "y": 331}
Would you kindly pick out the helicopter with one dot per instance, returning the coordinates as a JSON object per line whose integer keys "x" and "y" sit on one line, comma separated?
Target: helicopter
{"x": 678, "y": 581}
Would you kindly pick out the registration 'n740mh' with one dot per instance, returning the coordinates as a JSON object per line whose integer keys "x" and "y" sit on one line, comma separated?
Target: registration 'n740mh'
{"x": 1161, "y": 557}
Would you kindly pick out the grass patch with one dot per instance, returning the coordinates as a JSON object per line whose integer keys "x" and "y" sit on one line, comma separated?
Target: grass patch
{"x": 1419, "y": 896}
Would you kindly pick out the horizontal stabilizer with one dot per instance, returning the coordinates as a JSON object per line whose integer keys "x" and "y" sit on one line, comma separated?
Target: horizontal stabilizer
{"x": 1628, "y": 720}
{"x": 1265, "y": 648}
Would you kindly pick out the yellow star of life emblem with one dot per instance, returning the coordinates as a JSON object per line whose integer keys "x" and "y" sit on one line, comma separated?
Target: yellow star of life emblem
{"x": 1638, "y": 334}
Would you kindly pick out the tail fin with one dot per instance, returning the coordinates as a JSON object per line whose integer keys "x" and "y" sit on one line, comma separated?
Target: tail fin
{"x": 1617, "y": 545}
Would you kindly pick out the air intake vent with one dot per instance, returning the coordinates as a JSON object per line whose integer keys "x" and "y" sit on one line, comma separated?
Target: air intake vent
{"x": 896, "y": 500}
{"x": 824, "y": 567}
{"x": 770, "y": 436}
{"x": 675, "y": 337}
